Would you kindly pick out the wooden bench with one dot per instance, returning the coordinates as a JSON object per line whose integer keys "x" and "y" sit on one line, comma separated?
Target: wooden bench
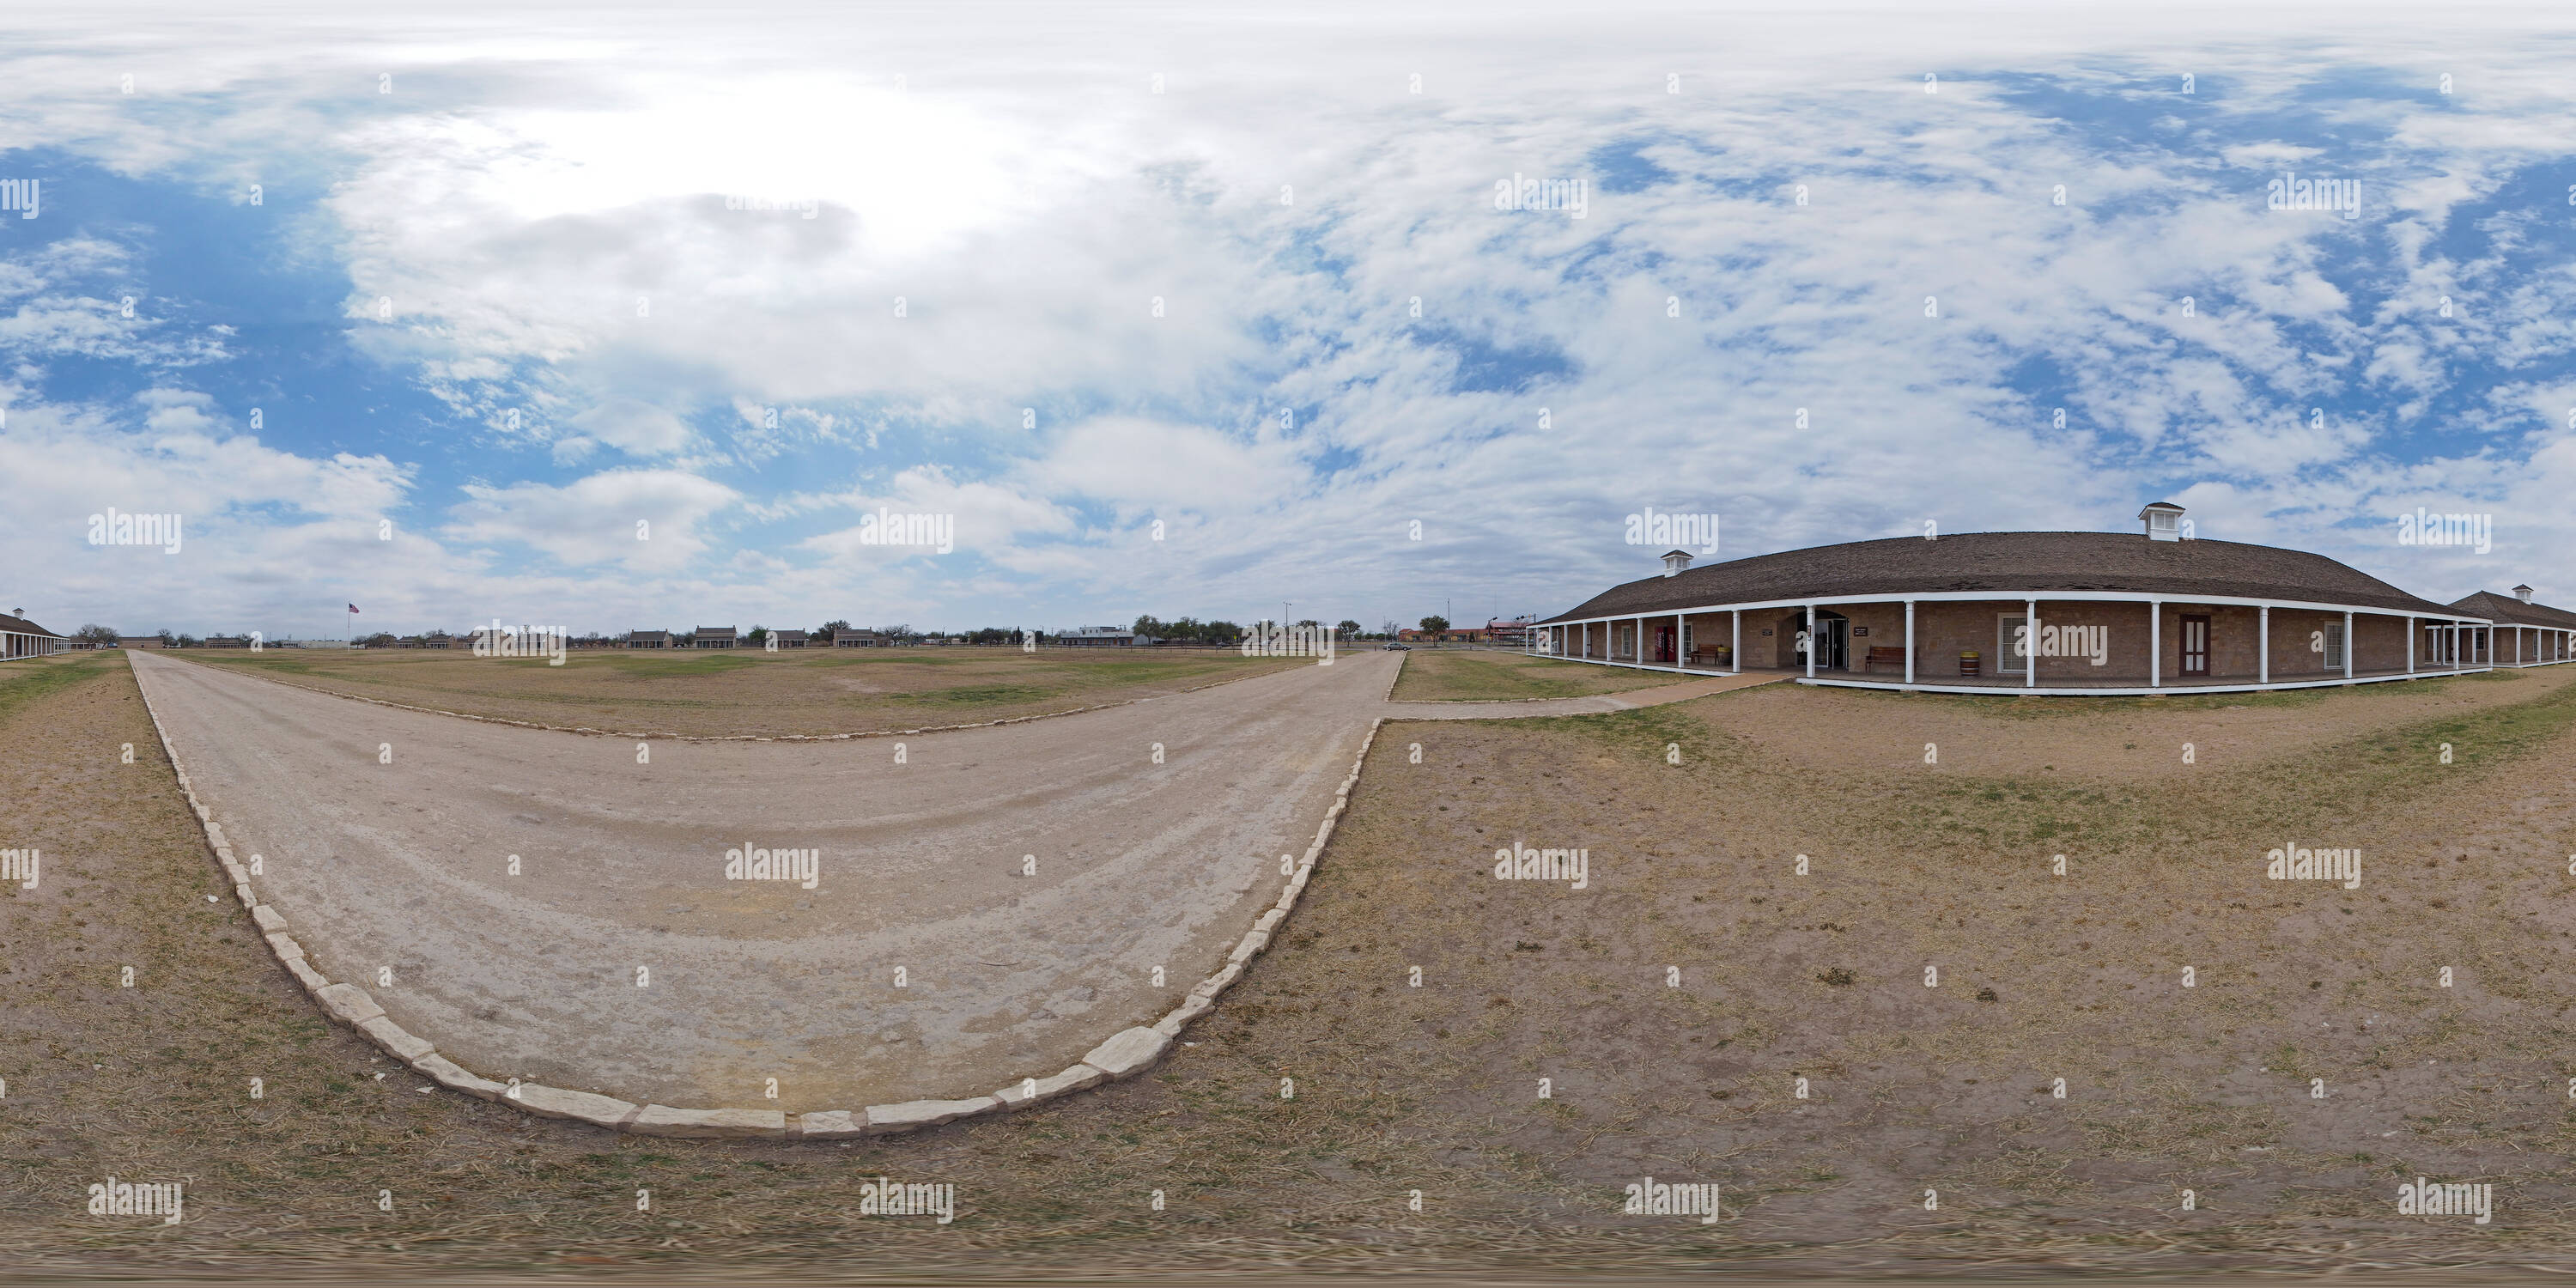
{"x": 1882, "y": 653}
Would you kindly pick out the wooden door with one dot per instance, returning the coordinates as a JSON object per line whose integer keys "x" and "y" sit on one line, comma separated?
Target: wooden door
{"x": 2195, "y": 644}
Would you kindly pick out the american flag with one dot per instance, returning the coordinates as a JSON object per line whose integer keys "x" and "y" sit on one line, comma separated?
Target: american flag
{"x": 353, "y": 608}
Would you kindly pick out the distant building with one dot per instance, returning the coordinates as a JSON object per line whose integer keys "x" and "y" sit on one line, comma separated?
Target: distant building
{"x": 712, "y": 637}
{"x": 788, "y": 639}
{"x": 22, "y": 638}
{"x": 2526, "y": 633}
{"x": 227, "y": 641}
{"x": 1096, "y": 637}
{"x": 1514, "y": 631}
{"x": 140, "y": 641}
{"x": 1453, "y": 635}
{"x": 648, "y": 639}
{"x": 856, "y": 639}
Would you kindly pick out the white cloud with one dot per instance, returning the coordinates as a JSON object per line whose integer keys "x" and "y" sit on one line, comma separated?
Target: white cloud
{"x": 644, "y": 520}
{"x": 638, "y": 428}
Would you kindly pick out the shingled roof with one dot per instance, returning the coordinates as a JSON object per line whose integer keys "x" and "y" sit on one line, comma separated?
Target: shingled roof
{"x": 21, "y": 626}
{"x": 2507, "y": 609}
{"x": 2012, "y": 563}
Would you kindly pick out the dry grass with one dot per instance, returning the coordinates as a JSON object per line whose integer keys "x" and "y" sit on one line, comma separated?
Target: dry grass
{"x": 1454, "y": 675}
{"x": 1433, "y": 1088}
{"x": 747, "y": 691}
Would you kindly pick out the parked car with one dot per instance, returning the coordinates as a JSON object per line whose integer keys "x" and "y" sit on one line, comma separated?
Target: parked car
{"x": 1399, "y": 648}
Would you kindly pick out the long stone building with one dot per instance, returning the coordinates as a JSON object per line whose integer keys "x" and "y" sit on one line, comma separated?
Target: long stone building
{"x": 2047, "y": 612}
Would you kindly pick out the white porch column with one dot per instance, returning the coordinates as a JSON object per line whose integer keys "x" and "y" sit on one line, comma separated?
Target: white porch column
{"x": 1641, "y": 640}
{"x": 2155, "y": 643}
{"x": 2030, "y": 644}
{"x": 1681, "y": 646}
{"x": 2411, "y": 631}
{"x": 1909, "y": 641}
{"x": 1735, "y": 646}
{"x": 1811, "y": 641}
{"x": 2263, "y": 673}
{"x": 2347, "y": 645}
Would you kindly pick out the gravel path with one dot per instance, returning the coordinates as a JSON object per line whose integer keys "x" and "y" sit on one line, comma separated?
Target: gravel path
{"x": 404, "y": 866}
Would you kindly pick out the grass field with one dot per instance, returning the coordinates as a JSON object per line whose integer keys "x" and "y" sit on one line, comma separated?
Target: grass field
{"x": 1449, "y": 675}
{"x": 1399, "y": 1088}
{"x": 747, "y": 691}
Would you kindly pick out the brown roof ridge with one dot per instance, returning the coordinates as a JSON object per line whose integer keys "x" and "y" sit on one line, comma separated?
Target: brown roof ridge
{"x": 2510, "y": 609}
{"x": 2015, "y": 563}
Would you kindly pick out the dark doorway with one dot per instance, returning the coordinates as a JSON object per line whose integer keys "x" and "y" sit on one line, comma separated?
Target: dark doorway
{"x": 1833, "y": 640}
{"x": 2195, "y": 643}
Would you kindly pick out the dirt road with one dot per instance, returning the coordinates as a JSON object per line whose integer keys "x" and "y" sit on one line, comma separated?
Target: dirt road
{"x": 621, "y": 958}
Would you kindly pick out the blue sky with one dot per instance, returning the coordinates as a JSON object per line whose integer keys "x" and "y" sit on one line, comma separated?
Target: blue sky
{"x": 494, "y": 309}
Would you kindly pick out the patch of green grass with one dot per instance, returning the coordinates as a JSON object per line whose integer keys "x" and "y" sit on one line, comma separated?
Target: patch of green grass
{"x": 30, "y": 679}
{"x": 1458, "y": 675}
{"x": 649, "y": 667}
{"x": 988, "y": 695}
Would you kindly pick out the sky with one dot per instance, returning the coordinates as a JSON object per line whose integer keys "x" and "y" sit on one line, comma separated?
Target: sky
{"x": 612, "y": 317}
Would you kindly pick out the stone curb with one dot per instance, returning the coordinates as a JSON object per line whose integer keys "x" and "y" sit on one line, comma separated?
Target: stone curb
{"x": 1126, "y": 1054}
{"x": 730, "y": 737}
